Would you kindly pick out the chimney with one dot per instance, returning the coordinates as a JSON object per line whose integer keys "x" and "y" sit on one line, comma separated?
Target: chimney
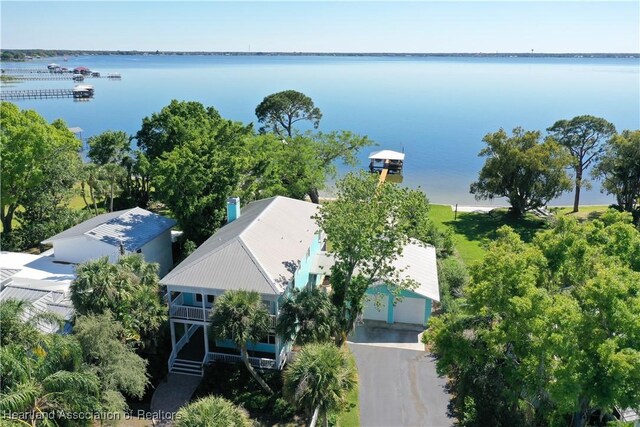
{"x": 233, "y": 209}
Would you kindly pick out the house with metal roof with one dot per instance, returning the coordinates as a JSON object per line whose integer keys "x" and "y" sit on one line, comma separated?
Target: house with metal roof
{"x": 268, "y": 248}
{"x": 114, "y": 234}
{"x": 40, "y": 281}
{"x": 272, "y": 247}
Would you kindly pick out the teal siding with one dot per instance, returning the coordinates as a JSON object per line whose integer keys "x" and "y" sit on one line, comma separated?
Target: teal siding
{"x": 427, "y": 310}
{"x": 301, "y": 278}
{"x": 267, "y": 348}
{"x": 189, "y": 299}
{"x": 404, "y": 294}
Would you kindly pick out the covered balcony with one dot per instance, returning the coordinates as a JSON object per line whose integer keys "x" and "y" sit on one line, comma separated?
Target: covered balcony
{"x": 196, "y": 307}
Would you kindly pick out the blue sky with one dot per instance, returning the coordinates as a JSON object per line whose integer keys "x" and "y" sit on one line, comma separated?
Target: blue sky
{"x": 304, "y": 26}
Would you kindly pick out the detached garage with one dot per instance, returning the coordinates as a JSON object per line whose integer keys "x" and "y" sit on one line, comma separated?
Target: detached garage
{"x": 417, "y": 262}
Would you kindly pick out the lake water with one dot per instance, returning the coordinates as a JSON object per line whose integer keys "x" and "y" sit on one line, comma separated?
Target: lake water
{"x": 436, "y": 109}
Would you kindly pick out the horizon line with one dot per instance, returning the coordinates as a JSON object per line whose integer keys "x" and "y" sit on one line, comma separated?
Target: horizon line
{"x": 283, "y": 52}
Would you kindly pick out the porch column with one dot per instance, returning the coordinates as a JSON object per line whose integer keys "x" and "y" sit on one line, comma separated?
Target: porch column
{"x": 206, "y": 340}
{"x": 204, "y": 306}
{"x": 186, "y": 331}
{"x": 173, "y": 334}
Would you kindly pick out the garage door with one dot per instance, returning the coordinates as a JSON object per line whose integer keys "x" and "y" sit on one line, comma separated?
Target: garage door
{"x": 372, "y": 312}
{"x": 409, "y": 310}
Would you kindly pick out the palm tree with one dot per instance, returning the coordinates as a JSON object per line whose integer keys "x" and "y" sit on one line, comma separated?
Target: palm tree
{"x": 46, "y": 378}
{"x": 19, "y": 323}
{"x": 95, "y": 287}
{"x": 307, "y": 316}
{"x": 242, "y": 317}
{"x": 129, "y": 289}
{"x": 319, "y": 378}
{"x": 212, "y": 411}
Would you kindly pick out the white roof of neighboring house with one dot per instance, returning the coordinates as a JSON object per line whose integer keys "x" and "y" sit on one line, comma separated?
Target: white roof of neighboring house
{"x": 386, "y": 155}
{"x": 132, "y": 227}
{"x": 417, "y": 262}
{"x": 39, "y": 280}
{"x": 257, "y": 251}
{"x": 37, "y": 271}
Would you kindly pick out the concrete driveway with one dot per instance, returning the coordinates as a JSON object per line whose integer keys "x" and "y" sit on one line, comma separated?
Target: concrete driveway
{"x": 398, "y": 381}
{"x": 397, "y": 335}
{"x": 399, "y": 387}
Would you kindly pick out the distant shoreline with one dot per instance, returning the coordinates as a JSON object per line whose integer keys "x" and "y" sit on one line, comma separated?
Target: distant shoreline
{"x": 44, "y": 53}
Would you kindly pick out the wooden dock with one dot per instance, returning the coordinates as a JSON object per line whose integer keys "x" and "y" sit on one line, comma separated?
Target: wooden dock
{"x": 9, "y": 95}
{"x": 26, "y": 71}
{"x": 19, "y": 77}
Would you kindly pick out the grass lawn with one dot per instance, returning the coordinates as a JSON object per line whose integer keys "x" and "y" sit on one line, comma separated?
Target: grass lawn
{"x": 351, "y": 416}
{"x": 472, "y": 231}
{"x": 583, "y": 213}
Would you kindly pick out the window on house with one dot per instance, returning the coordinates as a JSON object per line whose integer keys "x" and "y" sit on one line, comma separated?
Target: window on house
{"x": 268, "y": 305}
{"x": 210, "y": 299}
{"x": 269, "y": 339}
{"x": 198, "y": 297}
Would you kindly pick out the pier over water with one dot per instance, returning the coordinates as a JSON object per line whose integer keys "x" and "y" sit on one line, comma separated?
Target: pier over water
{"x": 76, "y": 93}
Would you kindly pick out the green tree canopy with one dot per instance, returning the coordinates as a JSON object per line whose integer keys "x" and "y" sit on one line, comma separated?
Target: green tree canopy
{"x": 547, "y": 333}
{"x": 42, "y": 373}
{"x": 368, "y": 226}
{"x": 117, "y": 365}
{"x": 212, "y": 411}
{"x": 109, "y": 147}
{"x": 32, "y": 150}
{"x": 242, "y": 317}
{"x": 619, "y": 169}
{"x": 129, "y": 289}
{"x": 583, "y": 136}
{"x": 195, "y": 180}
{"x": 529, "y": 173}
{"x": 280, "y": 111}
{"x": 176, "y": 124}
{"x": 307, "y": 316}
{"x": 320, "y": 376}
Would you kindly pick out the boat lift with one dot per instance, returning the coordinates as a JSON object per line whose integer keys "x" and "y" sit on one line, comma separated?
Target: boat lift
{"x": 388, "y": 164}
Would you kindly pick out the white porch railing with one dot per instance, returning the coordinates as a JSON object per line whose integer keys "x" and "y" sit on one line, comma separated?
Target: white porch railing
{"x": 257, "y": 362}
{"x": 189, "y": 312}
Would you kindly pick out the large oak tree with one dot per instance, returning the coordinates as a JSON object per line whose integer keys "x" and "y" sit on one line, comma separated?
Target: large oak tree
{"x": 527, "y": 172}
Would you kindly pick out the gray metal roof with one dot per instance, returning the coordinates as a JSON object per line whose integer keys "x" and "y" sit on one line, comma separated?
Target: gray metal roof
{"x": 254, "y": 252}
{"x": 132, "y": 227}
{"x": 40, "y": 301}
{"x": 6, "y": 273}
{"x": 417, "y": 262}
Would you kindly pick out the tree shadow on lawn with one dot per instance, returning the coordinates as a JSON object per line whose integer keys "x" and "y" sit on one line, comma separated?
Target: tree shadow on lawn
{"x": 482, "y": 227}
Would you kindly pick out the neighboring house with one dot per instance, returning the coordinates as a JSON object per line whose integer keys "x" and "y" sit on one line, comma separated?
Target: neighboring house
{"x": 273, "y": 246}
{"x": 116, "y": 233}
{"x": 42, "y": 282}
